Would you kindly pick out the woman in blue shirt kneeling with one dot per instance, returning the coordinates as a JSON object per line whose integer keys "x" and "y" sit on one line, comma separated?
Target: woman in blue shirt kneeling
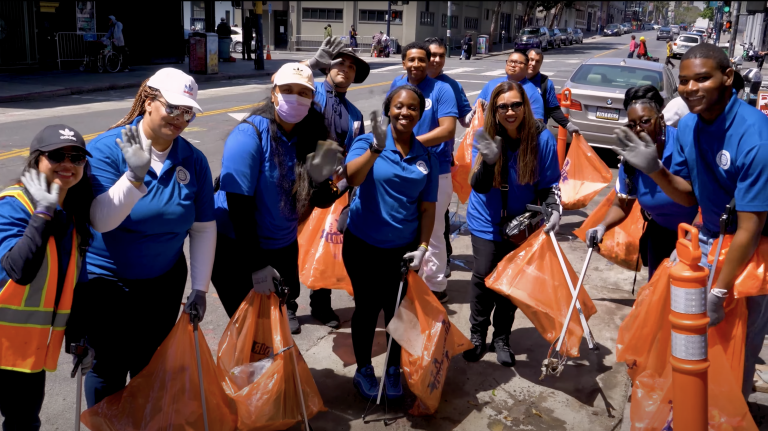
{"x": 390, "y": 219}
{"x": 515, "y": 164}
{"x": 644, "y": 112}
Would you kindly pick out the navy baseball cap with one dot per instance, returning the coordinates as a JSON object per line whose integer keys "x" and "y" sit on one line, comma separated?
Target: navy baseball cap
{"x": 57, "y": 136}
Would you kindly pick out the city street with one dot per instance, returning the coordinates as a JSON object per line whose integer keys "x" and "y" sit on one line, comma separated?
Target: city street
{"x": 591, "y": 393}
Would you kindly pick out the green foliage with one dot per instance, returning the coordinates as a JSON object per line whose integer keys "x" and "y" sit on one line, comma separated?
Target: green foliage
{"x": 708, "y": 13}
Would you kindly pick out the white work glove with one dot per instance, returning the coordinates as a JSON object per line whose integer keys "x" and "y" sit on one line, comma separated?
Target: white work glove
{"x": 554, "y": 223}
{"x": 715, "y": 309}
{"x": 571, "y": 128}
{"x": 323, "y": 58}
{"x": 638, "y": 152}
{"x": 323, "y": 162}
{"x": 379, "y": 131}
{"x": 417, "y": 256}
{"x": 489, "y": 148}
{"x": 600, "y": 231}
{"x": 137, "y": 156}
{"x": 264, "y": 280}
{"x": 87, "y": 363}
{"x": 45, "y": 199}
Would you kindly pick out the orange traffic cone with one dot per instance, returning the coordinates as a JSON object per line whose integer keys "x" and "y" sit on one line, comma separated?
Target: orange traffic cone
{"x": 269, "y": 55}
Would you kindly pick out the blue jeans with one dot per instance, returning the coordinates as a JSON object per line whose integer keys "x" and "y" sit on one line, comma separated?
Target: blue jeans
{"x": 757, "y": 320}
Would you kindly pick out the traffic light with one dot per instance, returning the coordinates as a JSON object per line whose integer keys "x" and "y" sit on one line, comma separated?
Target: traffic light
{"x": 726, "y": 9}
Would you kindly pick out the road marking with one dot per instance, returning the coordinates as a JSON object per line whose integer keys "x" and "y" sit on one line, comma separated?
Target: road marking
{"x": 498, "y": 72}
{"x": 461, "y": 70}
{"x": 608, "y": 52}
{"x": 383, "y": 69}
{"x": 21, "y": 152}
{"x": 466, "y": 80}
{"x": 474, "y": 92}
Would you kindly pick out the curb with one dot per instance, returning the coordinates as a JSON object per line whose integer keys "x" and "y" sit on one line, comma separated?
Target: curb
{"x": 120, "y": 86}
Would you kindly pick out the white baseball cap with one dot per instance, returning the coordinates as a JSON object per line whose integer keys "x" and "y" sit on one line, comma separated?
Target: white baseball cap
{"x": 295, "y": 73}
{"x": 177, "y": 87}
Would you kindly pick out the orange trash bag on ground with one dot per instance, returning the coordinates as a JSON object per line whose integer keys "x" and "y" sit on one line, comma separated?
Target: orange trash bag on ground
{"x": 166, "y": 394}
{"x": 320, "y": 243}
{"x": 531, "y": 277}
{"x": 258, "y": 374}
{"x": 463, "y": 161}
{"x": 621, "y": 244}
{"x": 583, "y": 175}
{"x": 753, "y": 280}
{"x": 428, "y": 341}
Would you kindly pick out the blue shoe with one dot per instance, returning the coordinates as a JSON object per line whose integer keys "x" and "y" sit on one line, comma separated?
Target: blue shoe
{"x": 393, "y": 384}
{"x": 366, "y": 383}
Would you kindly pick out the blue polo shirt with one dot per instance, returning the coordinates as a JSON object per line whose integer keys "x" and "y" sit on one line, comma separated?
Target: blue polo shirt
{"x": 725, "y": 159}
{"x": 484, "y": 211}
{"x": 445, "y": 151}
{"x": 150, "y": 240}
{"x": 440, "y": 102}
{"x": 385, "y": 211}
{"x": 548, "y": 95}
{"x": 248, "y": 168}
{"x": 537, "y": 103}
{"x": 661, "y": 207}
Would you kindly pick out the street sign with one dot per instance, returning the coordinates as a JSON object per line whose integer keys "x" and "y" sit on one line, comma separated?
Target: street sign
{"x": 719, "y": 4}
{"x": 762, "y": 101}
{"x": 270, "y": 7}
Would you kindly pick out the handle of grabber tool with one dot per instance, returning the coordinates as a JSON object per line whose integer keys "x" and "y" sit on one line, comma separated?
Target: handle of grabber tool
{"x": 587, "y": 333}
{"x": 404, "y": 265}
{"x": 294, "y": 352}
{"x": 80, "y": 351}
{"x": 725, "y": 222}
{"x": 195, "y": 318}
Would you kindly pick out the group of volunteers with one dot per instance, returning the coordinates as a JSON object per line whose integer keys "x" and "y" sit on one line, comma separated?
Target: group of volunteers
{"x": 87, "y": 235}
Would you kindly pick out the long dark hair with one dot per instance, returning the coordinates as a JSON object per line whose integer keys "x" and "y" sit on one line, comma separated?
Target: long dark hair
{"x": 528, "y": 131}
{"x": 308, "y": 131}
{"x": 139, "y": 104}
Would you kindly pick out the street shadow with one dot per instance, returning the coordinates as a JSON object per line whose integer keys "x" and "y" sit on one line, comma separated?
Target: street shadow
{"x": 629, "y": 302}
{"x": 462, "y": 263}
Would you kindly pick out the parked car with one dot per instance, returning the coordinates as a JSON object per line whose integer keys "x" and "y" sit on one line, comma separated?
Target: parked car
{"x": 567, "y": 35}
{"x": 699, "y": 31}
{"x": 555, "y": 38}
{"x": 648, "y": 26}
{"x": 612, "y": 30}
{"x": 578, "y": 35}
{"x": 664, "y": 33}
{"x": 237, "y": 41}
{"x": 675, "y": 30}
{"x": 532, "y": 37}
{"x": 627, "y": 27}
{"x": 598, "y": 87}
{"x": 683, "y": 43}
{"x": 656, "y": 26}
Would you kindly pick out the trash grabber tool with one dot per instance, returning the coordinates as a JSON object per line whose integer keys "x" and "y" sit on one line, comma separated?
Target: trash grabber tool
{"x": 725, "y": 221}
{"x": 195, "y": 318}
{"x": 80, "y": 351}
{"x": 404, "y": 266}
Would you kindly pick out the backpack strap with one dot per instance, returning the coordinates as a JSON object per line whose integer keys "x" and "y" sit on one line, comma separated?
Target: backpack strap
{"x": 543, "y": 89}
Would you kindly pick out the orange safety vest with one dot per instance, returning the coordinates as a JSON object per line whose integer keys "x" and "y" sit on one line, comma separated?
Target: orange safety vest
{"x": 31, "y": 325}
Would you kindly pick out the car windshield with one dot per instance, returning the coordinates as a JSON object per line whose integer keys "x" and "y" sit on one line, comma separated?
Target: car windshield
{"x": 563, "y": 30}
{"x": 551, "y": 32}
{"x": 688, "y": 39}
{"x": 235, "y": 31}
{"x": 529, "y": 32}
{"x": 616, "y": 76}
{"x": 612, "y": 26}
{"x": 664, "y": 29}
{"x": 674, "y": 27}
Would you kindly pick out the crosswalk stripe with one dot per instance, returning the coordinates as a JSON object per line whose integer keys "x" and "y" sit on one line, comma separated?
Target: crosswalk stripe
{"x": 384, "y": 69}
{"x": 474, "y": 92}
{"x": 498, "y": 72}
{"x": 460, "y": 70}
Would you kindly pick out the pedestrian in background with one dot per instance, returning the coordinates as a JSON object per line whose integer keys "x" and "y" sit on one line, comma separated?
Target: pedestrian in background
{"x": 642, "y": 50}
{"x": 632, "y": 47}
{"x": 223, "y": 30}
{"x": 115, "y": 33}
{"x": 353, "y": 37}
{"x": 466, "y": 47}
{"x": 44, "y": 221}
{"x": 153, "y": 190}
{"x": 247, "y": 37}
{"x": 669, "y": 53}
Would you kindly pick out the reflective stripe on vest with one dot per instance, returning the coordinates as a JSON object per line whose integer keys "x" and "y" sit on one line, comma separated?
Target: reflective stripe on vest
{"x": 31, "y": 324}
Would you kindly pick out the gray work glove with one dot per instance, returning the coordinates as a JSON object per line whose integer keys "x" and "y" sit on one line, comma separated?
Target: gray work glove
{"x": 264, "y": 280}
{"x": 45, "y": 199}
{"x": 598, "y": 239}
{"x": 571, "y": 128}
{"x": 673, "y": 257}
{"x": 196, "y": 302}
{"x": 471, "y": 115}
{"x": 638, "y": 152}
{"x": 137, "y": 156}
{"x": 715, "y": 309}
{"x": 323, "y": 58}
{"x": 554, "y": 223}
{"x": 417, "y": 256}
{"x": 323, "y": 162}
{"x": 489, "y": 148}
{"x": 379, "y": 131}
{"x": 87, "y": 363}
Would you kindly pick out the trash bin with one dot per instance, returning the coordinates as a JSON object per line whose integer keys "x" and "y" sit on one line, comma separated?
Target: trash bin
{"x": 482, "y": 44}
{"x": 204, "y": 53}
{"x": 224, "y": 46}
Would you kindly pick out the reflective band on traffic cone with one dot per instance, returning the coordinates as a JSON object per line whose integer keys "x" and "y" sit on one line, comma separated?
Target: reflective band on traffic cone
{"x": 562, "y": 133}
{"x": 688, "y": 300}
{"x": 269, "y": 55}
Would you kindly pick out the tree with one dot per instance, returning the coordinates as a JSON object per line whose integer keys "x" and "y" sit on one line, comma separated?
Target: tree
{"x": 708, "y": 13}
{"x": 494, "y": 23}
{"x": 530, "y": 8}
{"x": 686, "y": 14}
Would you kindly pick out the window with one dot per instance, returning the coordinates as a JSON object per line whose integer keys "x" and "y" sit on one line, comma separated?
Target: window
{"x": 427, "y": 18}
{"x": 454, "y": 21}
{"x": 580, "y": 14}
{"x": 471, "y": 23}
{"x": 322, "y": 14}
{"x": 379, "y": 15}
{"x": 397, "y": 16}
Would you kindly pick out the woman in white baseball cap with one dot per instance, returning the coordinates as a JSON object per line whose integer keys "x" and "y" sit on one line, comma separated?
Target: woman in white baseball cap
{"x": 152, "y": 188}
{"x": 275, "y": 169}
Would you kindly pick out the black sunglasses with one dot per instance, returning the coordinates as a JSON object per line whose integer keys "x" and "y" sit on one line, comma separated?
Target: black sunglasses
{"x": 58, "y": 156}
{"x": 173, "y": 110}
{"x": 502, "y": 108}
{"x": 644, "y": 123}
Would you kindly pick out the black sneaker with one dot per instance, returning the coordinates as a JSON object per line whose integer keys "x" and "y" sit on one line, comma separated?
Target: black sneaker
{"x": 293, "y": 322}
{"x": 441, "y": 296}
{"x": 476, "y": 353}
{"x": 327, "y": 317}
{"x": 504, "y": 355}
{"x": 448, "y": 269}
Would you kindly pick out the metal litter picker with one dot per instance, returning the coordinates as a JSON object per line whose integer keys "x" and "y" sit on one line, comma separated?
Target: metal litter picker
{"x": 725, "y": 221}
{"x": 80, "y": 351}
{"x": 195, "y": 318}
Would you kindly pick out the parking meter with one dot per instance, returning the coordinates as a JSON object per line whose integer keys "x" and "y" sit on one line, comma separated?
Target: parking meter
{"x": 753, "y": 79}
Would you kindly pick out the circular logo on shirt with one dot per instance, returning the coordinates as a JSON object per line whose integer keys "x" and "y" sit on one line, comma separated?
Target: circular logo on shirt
{"x": 723, "y": 159}
{"x": 428, "y": 105}
{"x": 182, "y": 175}
{"x": 422, "y": 167}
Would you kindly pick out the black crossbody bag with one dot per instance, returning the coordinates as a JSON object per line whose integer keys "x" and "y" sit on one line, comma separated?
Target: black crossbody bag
{"x": 516, "y": 229}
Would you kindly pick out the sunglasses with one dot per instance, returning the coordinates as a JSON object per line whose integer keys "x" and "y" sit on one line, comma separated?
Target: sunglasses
{"x": 173, "y": 111}
{"x": 57, "y": 156}
{"x": 503, "y": 108}
{"x": 644, "y": 123}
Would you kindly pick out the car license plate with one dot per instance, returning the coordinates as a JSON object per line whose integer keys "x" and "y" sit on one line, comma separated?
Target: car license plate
{"x": 607, "y": 114}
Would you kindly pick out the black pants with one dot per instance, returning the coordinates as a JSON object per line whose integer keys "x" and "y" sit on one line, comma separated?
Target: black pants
{"x": 656, "y": 244}
{"x": 487, "y": 255}
{"x": 21, "y": 399}
{"x": 247, "y": 49}
{"x": 123, "y": 51}
{"x": 125, "y": 321}
{"x": 669, "y": 62}
{"x": 375, "y": 276}
{"x": 447, "y": 234}
{"x": 233, "y": 281}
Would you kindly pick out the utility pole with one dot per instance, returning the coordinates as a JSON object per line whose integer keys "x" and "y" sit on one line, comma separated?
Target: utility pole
{"x": 448, "y": 38}
{"x": 600, "y": 19}
{"x": 258, "y": 59}
{"x": 718, "y": 19}
{"x": 389, "y": 17}
{"x": 735, "y": 7}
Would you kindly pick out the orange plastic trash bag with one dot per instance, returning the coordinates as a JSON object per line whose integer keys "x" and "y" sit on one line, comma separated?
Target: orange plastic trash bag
{"x": 428, "y": 340}
{"x": 463, "y": 161}
{"x": 257, "y": 331}
{"x": 621, "y": 244}
{"x": 320, "y": 243}
{"x": 583, "y": 175}
{"x": 531, "y": 277}
{"x": 753, "y": 280}
{"x": 166, "y": 394}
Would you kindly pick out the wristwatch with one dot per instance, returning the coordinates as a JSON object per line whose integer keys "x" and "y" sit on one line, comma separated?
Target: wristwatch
{"x": 373, "y": 148}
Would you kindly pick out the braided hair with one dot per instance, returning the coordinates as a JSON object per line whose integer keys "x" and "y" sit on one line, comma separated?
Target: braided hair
{"x": 139, "y": 104}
